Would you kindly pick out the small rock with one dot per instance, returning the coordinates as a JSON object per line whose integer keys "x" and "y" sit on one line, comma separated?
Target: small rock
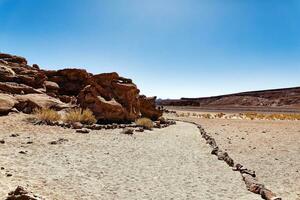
{"x": 8, "y": 174}
{"x": 14, "y": 135}
{"x": 2, "y": 168}
{"x": 21, "y": 194}
{"x": 23, "y": 152}
{"x": 29, "y": 142}
{"x": 2, "y": 142}
{"x": 162, "y": 120}
{"x": 77, "y": 125}
{"x": 61, "y": 123}
{"x": 83, "y": 130}
{"x": 127, "y": 131}
{"x": 122, "y": 126}
{"x": 59, "y": 141}
{"x": 139, "y": 129}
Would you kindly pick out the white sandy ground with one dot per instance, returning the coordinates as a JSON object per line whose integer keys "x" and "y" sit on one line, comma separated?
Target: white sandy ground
{"x": 271, "y": 148}
{"x": 170, "y": 163}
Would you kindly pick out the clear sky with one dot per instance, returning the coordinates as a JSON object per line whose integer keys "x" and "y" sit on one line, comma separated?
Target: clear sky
{"x": 170, "y": 48}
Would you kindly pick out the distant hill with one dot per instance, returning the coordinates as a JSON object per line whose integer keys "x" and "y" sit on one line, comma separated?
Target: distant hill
{"x": 275, "y": 98}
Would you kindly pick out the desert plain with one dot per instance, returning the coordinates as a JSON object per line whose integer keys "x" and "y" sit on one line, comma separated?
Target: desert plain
{"x": 169, "y": 163}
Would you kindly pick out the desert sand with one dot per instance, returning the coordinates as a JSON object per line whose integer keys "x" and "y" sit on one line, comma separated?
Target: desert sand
{"x": 269, "y": 147}
{"x": 169, "y": 163}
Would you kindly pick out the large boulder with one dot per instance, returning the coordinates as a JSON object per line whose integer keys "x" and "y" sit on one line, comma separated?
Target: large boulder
{"x": 111, "y": 98}
{"x": 51, "y": 88}
{"x": 148, "y": 107}
{"x": 27, "y": 103}
{"x": 7, "y": 102}
{"x": 103, "y": 109}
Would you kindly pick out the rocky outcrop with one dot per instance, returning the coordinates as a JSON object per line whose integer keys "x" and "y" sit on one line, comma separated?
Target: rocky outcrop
{"x": 13, "y": 59}
{"x": 70, "y": 81}
{"x": 111, "y": 98}
{"x": 103, "y": 109}
{"x": 21, "y": 73}
{"x": 148, "y": 107}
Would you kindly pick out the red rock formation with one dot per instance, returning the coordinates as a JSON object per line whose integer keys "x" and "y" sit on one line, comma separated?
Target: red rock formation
{"x": 13, "y": 59}
{"x": 16, "y": 88}
{"x": 70, "y": 81}
{"x": 109, "y": 96}
{"x": 148, "y": 107}
{"x": 21, "y": 73}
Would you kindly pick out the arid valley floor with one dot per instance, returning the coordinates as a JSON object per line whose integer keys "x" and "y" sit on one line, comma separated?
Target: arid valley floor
{"x": 170, "y": 163}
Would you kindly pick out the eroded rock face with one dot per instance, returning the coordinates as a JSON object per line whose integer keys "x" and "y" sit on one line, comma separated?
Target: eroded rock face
{"x": 111, "y": 98}
{"x": 16, "y": 88}
{"x": 148, "y": 107}
{"x": 21, "y": 73}
{"x": 70, "y": 81}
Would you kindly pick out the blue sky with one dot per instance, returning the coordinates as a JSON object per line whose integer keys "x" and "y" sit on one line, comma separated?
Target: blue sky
{"x": 170, "y": 48}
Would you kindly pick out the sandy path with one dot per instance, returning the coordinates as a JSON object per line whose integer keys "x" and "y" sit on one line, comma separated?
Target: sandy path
{"x": 271, "y": 148}
{"x": 171, "y": 163}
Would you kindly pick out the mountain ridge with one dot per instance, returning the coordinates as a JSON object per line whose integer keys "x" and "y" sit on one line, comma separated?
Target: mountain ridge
{"x": 281, "y": 97}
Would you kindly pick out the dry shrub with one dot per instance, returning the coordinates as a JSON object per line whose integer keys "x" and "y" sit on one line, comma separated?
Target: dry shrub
{"x": 145, "y": 123}
{"x": 181, "y": 115}
{"x": 220, "y": 115}
{"x": 84, "y": 116}
{"x": 272, "y": 116}
{"x": 206, "y": 116}
{"x": 47, "y": 115}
